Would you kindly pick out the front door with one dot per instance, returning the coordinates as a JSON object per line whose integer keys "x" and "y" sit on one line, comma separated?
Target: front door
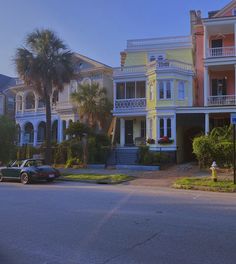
{"x": 129, "y": 132}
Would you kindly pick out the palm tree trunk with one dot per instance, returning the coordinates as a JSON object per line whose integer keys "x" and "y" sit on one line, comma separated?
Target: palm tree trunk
{"x": 48, "y": 152}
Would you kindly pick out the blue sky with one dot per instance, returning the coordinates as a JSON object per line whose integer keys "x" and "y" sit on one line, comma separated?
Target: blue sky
{"x": 95, "y": 28}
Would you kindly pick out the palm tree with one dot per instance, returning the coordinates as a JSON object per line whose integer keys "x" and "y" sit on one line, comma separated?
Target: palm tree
{"x": 45, "y": 64}
{"x": 93, "y": 104}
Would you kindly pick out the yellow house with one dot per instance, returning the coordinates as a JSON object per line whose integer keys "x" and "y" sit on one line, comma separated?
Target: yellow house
{"x": 154, "y": 80}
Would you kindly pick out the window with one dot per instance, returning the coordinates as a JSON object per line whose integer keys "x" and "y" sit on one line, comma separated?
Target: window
{"x": 130, "y": 90}
{"x": 181, "y": 90}
{"x": 30, "y": 101}
{"x": 152, "y": 58}
{"x": 165, "y": 127}
{"x": 168, "y": 127}
{"x": 162, "y": 129}
{"x": 161, "y": 90}
{"x": 234, "y": 12}
{"x": 143, "y": 128}
{"x": 165, "y": 90}
{"x": 120, "y": 91}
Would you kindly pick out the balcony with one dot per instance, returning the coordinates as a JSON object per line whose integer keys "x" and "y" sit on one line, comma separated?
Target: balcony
{"x": 170, "y": 65}
{"x": 133, "y": 104}
{"x": 221, "y": 100}
{"x": 130, "y": 70}
{"x": 221, "y": 52}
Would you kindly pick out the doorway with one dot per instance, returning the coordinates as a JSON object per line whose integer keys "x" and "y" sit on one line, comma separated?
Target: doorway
{"x": 129, "y": 141}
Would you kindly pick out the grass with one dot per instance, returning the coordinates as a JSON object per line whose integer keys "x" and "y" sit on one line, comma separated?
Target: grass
{"x": 205, "y": 184}
{"x": 96, "y": 178}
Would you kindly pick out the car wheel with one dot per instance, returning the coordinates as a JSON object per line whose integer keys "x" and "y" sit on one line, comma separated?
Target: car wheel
{"x": 25, "y": 179}
{"x": 50, "y": 180}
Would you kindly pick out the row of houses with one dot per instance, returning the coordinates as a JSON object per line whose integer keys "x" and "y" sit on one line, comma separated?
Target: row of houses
{"x": 166, "y": 90}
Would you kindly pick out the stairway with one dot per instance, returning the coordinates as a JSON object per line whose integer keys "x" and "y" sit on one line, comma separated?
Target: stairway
{"x": 124, "y": 156}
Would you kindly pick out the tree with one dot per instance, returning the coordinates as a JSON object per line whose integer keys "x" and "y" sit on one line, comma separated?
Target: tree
{"x": 7, "y": 139}
{"x": 93, "y": 105}
{"x": 45, "y": 64}
{"x": 77, "y": 129}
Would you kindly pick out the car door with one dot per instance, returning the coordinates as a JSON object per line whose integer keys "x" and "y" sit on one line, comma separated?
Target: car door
{"x": 12, "y": 171}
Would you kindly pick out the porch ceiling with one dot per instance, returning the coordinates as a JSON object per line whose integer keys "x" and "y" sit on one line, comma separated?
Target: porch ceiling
{"x": 220, "y": 29}
{"x": 229, "y": 67}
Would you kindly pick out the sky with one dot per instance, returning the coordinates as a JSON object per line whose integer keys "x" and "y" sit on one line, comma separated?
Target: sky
{"x": 98, "y": 29}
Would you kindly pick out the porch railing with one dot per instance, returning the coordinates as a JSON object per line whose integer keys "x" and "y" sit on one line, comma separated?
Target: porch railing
{"x": 130, "y": 104}
{"x": 170, "y": 64}
{"x": 221, "y": 100}
{"x": 221, "y": 52}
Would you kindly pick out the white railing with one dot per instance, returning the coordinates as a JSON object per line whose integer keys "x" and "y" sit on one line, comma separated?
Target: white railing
{"x": 171, "y": 64}
{"x": 221, "y": 52}
{"x": 129, "y": 70}
{"x": 137, "y": 43}
{"x": 19, "y": 81}
{"x": 63, "y": 105}
{"x": 130, "y": 104}
{"x": 220, "y": 100}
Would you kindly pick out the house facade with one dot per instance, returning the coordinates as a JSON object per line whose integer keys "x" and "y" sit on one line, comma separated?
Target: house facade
{"x": 168, "y": 90}
{"x": 30, "y": 109}
{"x": 154, "y": 81}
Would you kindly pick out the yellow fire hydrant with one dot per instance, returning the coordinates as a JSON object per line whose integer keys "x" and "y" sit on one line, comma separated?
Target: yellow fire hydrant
{"x": 213, "y": 169}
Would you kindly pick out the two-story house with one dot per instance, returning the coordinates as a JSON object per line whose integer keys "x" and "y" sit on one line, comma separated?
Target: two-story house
{"x": 154, "y": 82}
{"x": 30, "y": 109}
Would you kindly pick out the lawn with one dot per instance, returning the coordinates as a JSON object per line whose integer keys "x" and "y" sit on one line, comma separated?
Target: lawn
{"x": 205, "y": 184}
{"x": 97, "y": 178}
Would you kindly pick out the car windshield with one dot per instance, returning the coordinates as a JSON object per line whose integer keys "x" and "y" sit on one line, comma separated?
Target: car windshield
{"x": 35, "y": 163}
{"x": 17, "y": 163}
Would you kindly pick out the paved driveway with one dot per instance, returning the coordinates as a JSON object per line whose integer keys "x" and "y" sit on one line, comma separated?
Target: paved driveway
{"x": 65, "y": 223}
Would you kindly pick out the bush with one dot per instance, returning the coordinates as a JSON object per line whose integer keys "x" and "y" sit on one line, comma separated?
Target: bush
{"x": 147, "y": 157}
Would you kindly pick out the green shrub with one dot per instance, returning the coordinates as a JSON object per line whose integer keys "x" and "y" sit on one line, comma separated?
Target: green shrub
{"x": 147, "y": 157}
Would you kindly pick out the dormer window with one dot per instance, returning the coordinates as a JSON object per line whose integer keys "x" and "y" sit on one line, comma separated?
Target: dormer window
{"x": 152, "y": 58}
{"x": 160, "y": 58}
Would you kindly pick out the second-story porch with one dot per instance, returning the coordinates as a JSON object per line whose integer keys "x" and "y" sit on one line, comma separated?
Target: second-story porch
{"x": 129, "y": 96}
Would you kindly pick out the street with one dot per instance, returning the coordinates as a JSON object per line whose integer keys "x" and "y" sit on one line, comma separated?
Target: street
{"x": 65, "y": 223}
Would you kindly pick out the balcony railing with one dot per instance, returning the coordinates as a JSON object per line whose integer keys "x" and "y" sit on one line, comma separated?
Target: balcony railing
{"x": 221, "y": 52}
{"x": 130, "y": 104}
{"x": 171, "y": 64}
{"x": 129, "y": 70}
{"x": 221, "y": 100}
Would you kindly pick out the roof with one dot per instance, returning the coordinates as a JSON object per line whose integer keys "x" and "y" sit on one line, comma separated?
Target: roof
{"x": 92, "y": 61}
{"x": 6, "y": 82}
{"x": 224, "y": 9}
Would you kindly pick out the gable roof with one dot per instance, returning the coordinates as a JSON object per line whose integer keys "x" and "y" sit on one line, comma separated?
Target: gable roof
{"x": 91, "y": 61}
{"x": 225, "y": 9}
{"x": 6, "y": 82}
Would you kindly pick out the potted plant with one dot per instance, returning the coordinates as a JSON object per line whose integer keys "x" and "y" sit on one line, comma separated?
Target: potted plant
{"x": 151, "y": 141}
{"x": 165, "y": 140}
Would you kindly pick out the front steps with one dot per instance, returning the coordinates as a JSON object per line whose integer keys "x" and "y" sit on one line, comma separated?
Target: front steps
{"x": 122, "y": 156}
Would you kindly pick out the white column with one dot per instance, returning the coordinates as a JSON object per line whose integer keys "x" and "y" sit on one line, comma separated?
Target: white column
{"x": 206, "y": 85}
{"x": 206, "y": 42}
{"x": 122, "y": 132}
{"x": 35, "y": 136}
{"x": 67, "y": 125}
{"x": 173, "y": 128}
{"x": 207, "y": 129}
{"x": 36, "y": 103}
{"x": 235, "y": 84}
{"x": 234, "y": 39}
{"x": 22, "y": 133}
{"x": 114, "y": 95}
{"x": 60, "y": 131}
{"x": 158, "y": 127}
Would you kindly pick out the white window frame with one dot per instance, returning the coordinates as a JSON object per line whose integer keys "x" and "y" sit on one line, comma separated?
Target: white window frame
{"x": 165, "y": 118}
{"x": 165, "y": 90}
{"x": 181, "y": 93}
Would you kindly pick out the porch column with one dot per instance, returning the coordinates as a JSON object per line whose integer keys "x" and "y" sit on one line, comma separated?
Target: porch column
{"x": 173, "y": 128}
{"x": 206, "y": 85}
{"x": 67, "y": 125}
{"x": 235, "y": 84}
{"x": 234, "y": 39}
{"x": 35, "y": 136}
{"x": 60, "y": 130}
{"x": 206, "y": 42}
{"x": 122, "y": 132}
{"x": 207, "y": 129}
{"x": 114, "y": 95}
{"x": 22, "y": 133}
{"x": 36, "y": 103}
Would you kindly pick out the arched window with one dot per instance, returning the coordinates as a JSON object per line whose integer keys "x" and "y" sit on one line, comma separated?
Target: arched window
{"x": 29, "y": 133}
{"x": 41, "y": 132}
{"x": 30, "y": 101}
{"x": 41, "y": 103}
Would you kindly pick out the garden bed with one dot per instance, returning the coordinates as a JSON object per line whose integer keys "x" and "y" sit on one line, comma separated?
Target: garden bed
{"x": 96, "y": 178}
{"x": 205, "y": 184}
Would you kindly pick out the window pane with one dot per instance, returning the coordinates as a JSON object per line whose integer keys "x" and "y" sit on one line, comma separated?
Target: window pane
{"x": 120, "y": 91}
{"x": 169, "y": 127}
{"x": 161, "y": 127}
{"x": 140, "y": 89}
{"x": 181, "y": 93}
{"x": 168, "y": 90}
{"x": 130, "y": 90}
{"x": 161, "y": 90}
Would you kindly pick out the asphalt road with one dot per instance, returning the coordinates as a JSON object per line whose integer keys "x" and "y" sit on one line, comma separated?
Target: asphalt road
{"x": 65, "y": 223}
